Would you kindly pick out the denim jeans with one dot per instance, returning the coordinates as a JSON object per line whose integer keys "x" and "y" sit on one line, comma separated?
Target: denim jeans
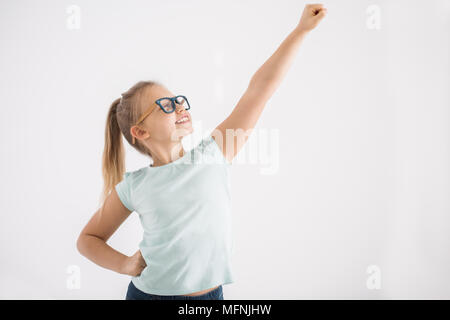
{"x": 134, "y": 293}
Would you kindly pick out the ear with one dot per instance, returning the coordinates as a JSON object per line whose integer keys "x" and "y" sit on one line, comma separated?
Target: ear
{"x": 139, "y": 133}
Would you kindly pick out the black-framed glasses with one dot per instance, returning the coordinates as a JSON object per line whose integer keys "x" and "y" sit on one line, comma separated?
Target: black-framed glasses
{"x": 167, "y": 104}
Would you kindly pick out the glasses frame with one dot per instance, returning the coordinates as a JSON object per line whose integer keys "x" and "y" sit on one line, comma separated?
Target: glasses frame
{"x": 173, "y": 100}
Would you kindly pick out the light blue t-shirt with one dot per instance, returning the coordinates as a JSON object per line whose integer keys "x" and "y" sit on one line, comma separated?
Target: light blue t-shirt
{"x": 185, "y": 211}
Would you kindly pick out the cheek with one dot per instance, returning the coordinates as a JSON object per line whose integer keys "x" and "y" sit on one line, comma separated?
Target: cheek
{"x": 164, "y": 125}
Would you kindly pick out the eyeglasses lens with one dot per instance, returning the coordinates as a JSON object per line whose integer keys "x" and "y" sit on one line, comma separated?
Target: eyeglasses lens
{"x": 183, "y": 102}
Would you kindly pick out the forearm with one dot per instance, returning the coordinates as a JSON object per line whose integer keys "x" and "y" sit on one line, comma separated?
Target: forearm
{"x": 99, "y": 252}
{"x": 269, "y": 76}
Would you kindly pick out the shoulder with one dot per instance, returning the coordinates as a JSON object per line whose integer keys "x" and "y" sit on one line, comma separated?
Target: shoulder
{"x": 135, "y": 175}
{"x": 205, "y": 143}
{"x": 208, "y": 146}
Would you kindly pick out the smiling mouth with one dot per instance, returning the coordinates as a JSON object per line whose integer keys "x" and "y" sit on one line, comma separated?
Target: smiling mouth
{"x": 184, "y": 119}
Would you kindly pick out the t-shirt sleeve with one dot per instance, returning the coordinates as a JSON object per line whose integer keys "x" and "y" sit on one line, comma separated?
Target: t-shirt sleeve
{"x": 124, "y": 191}
{"x": 209, "y": 146}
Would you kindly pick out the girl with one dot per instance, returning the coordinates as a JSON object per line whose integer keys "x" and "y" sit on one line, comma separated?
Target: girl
{"x": 182, "y": 198}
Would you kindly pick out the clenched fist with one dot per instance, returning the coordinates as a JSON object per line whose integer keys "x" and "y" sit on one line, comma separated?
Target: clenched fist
{"x": 312, "y": 15}
{"x": 134, "y": 265}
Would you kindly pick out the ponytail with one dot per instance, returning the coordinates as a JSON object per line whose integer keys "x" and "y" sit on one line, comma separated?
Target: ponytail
{"x": 113, "y": 162}
{"x": 122, "y": 114}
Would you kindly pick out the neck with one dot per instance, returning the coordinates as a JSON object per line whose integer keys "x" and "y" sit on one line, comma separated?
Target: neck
{"x": 164, "y": 154}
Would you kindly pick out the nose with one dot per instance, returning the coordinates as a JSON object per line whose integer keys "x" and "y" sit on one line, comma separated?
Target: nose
{"x": 179, "y": 107}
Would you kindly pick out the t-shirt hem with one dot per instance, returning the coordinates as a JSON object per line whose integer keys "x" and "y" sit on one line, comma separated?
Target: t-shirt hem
{"x": 165, "y": 292}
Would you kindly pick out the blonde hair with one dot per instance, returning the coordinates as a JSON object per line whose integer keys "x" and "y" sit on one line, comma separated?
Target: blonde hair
{"x": 122, "y": 115}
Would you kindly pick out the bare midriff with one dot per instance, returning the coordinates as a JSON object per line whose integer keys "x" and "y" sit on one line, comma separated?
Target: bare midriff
{"x": 198, "y": 293}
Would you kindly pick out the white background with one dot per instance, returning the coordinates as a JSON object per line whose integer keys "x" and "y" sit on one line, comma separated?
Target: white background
{"x": 363, "y": 151}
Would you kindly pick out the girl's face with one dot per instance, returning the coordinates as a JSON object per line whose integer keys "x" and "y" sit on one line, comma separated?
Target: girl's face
{"x": 161, "y": 126}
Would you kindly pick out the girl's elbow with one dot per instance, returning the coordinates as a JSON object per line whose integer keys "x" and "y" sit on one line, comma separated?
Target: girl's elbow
{"x": 81, "y": 243}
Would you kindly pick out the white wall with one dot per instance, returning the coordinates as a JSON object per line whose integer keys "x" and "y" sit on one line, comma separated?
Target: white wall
{"x": 358, "y": 140}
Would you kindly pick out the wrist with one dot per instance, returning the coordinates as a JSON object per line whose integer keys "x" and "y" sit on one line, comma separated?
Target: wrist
{"x": 123, "y": 264}
{"x": 300, "y": 31}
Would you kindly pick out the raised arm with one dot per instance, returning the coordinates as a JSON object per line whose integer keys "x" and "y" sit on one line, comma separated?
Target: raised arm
{"x": 234, "y": 131}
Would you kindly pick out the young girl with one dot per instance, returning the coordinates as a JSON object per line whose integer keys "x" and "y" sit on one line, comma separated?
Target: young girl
{"x": 182, "y": 198}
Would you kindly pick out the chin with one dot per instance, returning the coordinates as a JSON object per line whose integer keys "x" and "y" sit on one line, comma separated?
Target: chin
{"x": 190, "y": 129}
{"x": 183, "y": 132}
